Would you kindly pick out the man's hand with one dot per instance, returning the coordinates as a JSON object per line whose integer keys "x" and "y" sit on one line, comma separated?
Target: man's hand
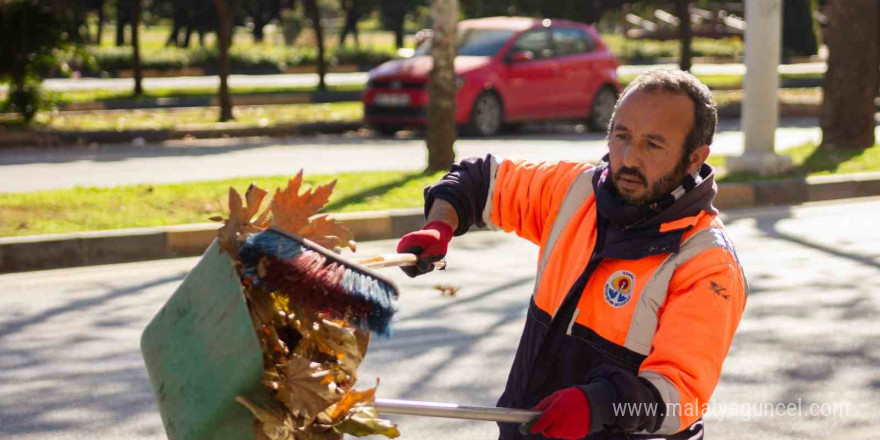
{"x": 429, "y": 244}
{"x": 566, "y": 414}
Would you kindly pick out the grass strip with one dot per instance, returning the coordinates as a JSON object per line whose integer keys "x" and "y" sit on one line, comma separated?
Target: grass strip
{"x": 201, "y": 117}
{"x": 84, "y": 209}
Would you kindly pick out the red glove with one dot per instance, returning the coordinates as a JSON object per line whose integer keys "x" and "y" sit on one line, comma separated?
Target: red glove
{"x": 566, "y": 414}
{"x": 429, "y": 244}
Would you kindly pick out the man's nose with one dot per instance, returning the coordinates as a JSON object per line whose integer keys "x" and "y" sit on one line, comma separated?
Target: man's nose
{"x": 630, "y": 156}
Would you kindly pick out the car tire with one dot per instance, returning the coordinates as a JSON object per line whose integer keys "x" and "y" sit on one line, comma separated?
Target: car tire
{"x": 386, "y": 130}
{"x": 487, "y": 115}
{"x": 602, "y": 109}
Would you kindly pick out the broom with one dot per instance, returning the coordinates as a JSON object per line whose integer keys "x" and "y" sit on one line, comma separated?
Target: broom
{"x": 318, "y": 279}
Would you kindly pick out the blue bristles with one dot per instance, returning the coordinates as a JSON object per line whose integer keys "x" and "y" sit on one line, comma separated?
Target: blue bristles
{"x": 270, "y": 243}
{"x": 372, "y": 294}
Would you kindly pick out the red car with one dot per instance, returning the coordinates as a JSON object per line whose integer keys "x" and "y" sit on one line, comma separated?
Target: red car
{"x": 508, "y": 70}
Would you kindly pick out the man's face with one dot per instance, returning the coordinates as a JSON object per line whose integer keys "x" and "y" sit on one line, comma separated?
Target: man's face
{"x": 646, "y": 144}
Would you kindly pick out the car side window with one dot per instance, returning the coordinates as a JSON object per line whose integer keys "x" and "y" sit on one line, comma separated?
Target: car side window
{"x": 537, "y": 42}
{"x": 570, "y": 41}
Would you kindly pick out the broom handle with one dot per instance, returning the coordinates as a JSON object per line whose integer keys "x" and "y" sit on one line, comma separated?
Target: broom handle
{"x": 394, "y": 260}
{"x": 454, "y": 411}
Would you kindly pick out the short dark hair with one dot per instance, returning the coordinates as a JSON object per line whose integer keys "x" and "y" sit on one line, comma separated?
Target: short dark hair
{"x": 678, "y": 81}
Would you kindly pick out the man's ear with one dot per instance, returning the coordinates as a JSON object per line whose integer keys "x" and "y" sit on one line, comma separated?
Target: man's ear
{"x": 697, "y": 159}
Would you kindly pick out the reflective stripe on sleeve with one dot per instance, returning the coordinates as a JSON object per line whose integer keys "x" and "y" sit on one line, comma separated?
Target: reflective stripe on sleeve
{"x": 645, "y": 317}
{"x": 580, "y": 189}
{"x": 669, "y": 394}
{"x": 487, "y": 209}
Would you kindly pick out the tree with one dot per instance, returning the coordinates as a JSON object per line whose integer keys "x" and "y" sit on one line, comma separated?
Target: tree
{"x": 393, "y": 13}
{"x": 850, "y": 84}
{"x": 441, "y": 85}
{"x": 30, "y": 31}
{"x": 314, "y": 14}
{"x": 685, "y": 33}
{"x": 354, "y": 11}
{"x": 123, "y": 16}
{"x": 225, "y": 17}
{"x": 798, "y": 28}
{"x": 262, "y": 12}
{"x": 190, "y": 16}
{"x": 136, "y": 48}
{"x": 99, "y": 6}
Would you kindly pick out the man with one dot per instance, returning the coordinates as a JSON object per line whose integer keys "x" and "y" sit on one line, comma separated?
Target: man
{"x": 638, "y": 289}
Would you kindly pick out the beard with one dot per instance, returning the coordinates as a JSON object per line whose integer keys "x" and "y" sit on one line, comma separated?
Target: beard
{"x": 654, "y": 190}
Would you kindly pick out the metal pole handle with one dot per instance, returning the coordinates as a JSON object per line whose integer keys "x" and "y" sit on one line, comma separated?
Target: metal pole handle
{"x": 394, "y": 260}
{"x": 454, "y": 411}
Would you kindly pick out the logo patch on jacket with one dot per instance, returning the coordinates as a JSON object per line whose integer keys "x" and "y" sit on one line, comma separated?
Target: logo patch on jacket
{"x": 619, "y": 288}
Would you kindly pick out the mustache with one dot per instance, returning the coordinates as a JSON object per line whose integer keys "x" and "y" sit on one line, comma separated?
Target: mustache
{"x": 632, "y": 172}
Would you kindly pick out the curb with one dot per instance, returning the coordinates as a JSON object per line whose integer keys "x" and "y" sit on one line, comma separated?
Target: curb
{"x": 39, "y": 252}
{"x": 55, "y": 138}
{"x": 213, "y": 101}
{"x": 47, "y": 138}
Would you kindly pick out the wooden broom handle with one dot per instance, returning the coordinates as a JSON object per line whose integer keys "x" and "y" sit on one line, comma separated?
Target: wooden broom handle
{"x": 393, "y": 260}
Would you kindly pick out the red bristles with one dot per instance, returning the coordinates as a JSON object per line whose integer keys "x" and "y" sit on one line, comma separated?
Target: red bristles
{"x": 307, "y": 281}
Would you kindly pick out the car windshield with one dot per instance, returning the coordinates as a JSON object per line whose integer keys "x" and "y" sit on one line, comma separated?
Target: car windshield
{"x": 475, "y": 42}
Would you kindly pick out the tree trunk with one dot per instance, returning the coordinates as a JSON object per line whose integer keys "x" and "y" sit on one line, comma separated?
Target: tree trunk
{"x": 685, "y": 32}
{"x": 314, "y": 15}
{"x": 121, "y": 19}
{"x": 187, "y": 35}
{"x": 225, "y": 15}
{"x": 850, "y": 84}
{"x": 135, "y": 46}
{"x": 441, "y": 86}
{"x": 352, "y": 16}
{"x": 174, "y": 37}
{"x": 101, "y": 20}
{"x": 398, "y": 32}
{"x": 258, "y": 33}
{"x": 357, "y": 37}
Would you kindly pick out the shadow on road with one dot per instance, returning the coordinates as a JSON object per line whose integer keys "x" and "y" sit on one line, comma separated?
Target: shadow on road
{"x": 809, "y": 329}
{"x": 71, "y": 367}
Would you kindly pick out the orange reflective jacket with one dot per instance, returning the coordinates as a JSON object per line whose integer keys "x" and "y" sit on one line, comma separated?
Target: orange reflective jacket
{"x": 643, "y": 333}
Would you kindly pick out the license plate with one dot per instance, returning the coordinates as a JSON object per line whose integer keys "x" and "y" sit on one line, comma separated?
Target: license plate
{"x": 391, "y": 99}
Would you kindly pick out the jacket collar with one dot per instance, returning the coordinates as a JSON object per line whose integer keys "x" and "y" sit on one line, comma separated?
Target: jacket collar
{"x": 633, "y": 232}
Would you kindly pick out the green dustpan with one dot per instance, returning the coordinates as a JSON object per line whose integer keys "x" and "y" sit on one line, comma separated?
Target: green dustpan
{"x": 201, "y": 351}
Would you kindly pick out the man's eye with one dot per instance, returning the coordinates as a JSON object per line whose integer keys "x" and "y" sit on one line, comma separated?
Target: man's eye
{"x": 620, "y": 136}
{"x": 653, "y": 146}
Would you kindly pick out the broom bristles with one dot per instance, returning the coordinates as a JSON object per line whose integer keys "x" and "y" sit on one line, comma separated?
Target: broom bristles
{"x": 312, "y": 280}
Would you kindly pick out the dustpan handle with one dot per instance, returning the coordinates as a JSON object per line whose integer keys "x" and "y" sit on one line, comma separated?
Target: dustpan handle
{"x": 393, "y": 260}
{"x": 454, "y": 411}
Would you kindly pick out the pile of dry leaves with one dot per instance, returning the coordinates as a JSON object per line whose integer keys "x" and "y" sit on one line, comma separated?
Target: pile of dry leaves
{"x": 310, "y": 359}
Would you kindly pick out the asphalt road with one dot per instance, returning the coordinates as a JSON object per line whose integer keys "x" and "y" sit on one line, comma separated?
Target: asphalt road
{"x": 311, "y": 79}
{"x": 70, "y": 367}
{"x": 37, "y": 168}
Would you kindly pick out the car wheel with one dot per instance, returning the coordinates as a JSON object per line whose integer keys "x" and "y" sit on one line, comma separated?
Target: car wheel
{"x": 603, "y": 108}
{"x": 487, "y": 115}
{"x": 386, "y": 130}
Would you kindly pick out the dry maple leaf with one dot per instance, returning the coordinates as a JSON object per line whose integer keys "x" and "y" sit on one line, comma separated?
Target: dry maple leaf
{"x": 349, "y": 400}
{"x": 273, "y": 425}
{"x": 291, "y": 210}
{"x": 306, "y": 389}
{"x": 342, "y": 343}
{"x": 239, "y": 220}
{"x": 364, "y": 420}
{"x": 328, "y": 233}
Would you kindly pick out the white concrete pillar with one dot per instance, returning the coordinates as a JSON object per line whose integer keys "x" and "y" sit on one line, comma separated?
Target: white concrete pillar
{"x": 760, "y": 107}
